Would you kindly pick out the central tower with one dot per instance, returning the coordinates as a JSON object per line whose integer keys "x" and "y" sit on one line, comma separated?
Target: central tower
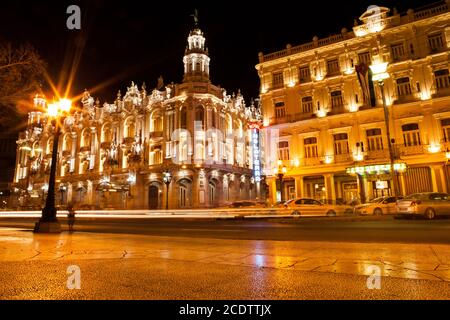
{"x": 196, "y": 58}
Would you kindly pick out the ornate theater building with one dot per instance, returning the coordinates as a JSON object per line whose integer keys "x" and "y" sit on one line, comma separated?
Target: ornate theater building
{"x": 324, "y": 116}
{"x": 190, "y": 139}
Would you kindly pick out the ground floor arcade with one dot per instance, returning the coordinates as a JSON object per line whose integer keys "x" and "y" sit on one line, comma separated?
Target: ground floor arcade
{"x": 189, "y": 187}
{"x": 342, "y": 186}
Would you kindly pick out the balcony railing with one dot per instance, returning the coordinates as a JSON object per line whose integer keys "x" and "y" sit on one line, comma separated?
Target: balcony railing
{"x": 389, "y": 22}
{"x": 377, "y": 154}
{"x": 156, "y": 134}
{"x": 403, "y": 150}
{"x": 312, "y": 161}
{"x": 128, "y": 140}
{"x": 292, "y": 118}
{"x": 442, "y": 92}
{"x": 342, "y": 158}
{"x": 407, "y": 98}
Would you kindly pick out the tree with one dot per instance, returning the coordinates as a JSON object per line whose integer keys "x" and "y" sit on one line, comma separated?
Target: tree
{"x": 21, "y": 72}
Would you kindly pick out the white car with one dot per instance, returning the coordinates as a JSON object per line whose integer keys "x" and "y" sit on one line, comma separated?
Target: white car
{"x": 378, "y": 206}
{"x": 312, "y": 207}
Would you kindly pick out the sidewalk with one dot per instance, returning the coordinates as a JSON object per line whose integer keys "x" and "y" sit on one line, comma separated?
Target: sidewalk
{"x": 412, "y": 261}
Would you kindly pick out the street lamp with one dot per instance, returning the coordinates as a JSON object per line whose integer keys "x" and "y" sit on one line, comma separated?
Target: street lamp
{"x": 48, "y": 223}
{"x": 167, "y": 178}
{"x": 379, "y": 74}
{"x": 280, "y": 172}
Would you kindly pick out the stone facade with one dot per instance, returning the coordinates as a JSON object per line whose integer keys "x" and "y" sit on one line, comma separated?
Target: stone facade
{"x": 115, "y": 155}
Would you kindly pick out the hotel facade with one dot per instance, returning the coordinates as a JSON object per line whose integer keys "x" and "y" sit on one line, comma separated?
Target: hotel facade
{"x": 324, "y": 120}
{"x": 188, "y": 145}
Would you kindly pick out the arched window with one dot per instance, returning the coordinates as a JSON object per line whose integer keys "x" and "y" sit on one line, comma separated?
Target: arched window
{"x": 200, "y": 117}
{"x": 183, "y": 118}
{"x": 67, "y": 144}
{"x": 213, "y": 118}
{"x": 86, "y": 138}
{"x": 49, "y": 148}
{"x": 107, "y": 134}
{"x": 130, "y": 129}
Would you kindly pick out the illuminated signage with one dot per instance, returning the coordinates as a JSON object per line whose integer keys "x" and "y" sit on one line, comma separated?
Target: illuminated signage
{"x": 256, "y": 155}
{"x": 377, "y": 169}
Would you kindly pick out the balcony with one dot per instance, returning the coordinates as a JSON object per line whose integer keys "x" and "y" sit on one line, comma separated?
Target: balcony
{"x": 85, "y": 149}
{"x": 377, "y": 155}
{"x": 312, "y": 161}
{"x": 403, "y": 150}
{"x": 66, "y": 153}
{"x": 342, "y": 158}
{"x": 105, "y": 145}
{"x": 407, "y": 98}
{"x": 128, "y": 141}
{"x": 292, "y": 118}
{"x": 441, "y": 92}
{"x": 156, "y": 134}
{"x": 437, "y": 50}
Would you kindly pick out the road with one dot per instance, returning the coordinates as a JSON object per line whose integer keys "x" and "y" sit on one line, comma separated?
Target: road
{"x": 305, "y": 258}
{"x": 347, "y": 229}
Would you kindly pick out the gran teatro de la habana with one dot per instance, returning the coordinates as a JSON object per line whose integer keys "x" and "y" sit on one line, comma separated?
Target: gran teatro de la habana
{"x": 191, "y": 142}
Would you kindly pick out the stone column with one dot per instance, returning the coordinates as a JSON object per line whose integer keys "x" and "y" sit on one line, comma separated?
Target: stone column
{"x": 329, "y": 186}
{"x": 433, "y": 179}
{"x": 299, "y": 187}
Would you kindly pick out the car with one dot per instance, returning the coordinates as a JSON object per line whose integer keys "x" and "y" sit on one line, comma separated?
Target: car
{"x": 313, "y": 207}
{"x": 426, "y": 204}
{"x": 247, "y": 204}
{"x": 378, "y": 206}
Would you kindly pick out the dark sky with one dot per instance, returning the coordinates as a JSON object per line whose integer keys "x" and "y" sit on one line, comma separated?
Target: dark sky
{"x": 121, "y": 41}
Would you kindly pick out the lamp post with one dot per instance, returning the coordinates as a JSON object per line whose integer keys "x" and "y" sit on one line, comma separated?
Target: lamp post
{"x": 167, "y": 178}
{"x": 379, "y": 74}
{"x": 49, "y": 223}
{"x": 280, "y": 172}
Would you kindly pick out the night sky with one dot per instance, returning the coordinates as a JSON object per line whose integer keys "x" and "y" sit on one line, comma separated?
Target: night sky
{"x": 121, "y": 41}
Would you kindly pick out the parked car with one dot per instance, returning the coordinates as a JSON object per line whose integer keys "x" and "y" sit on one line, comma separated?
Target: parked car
{"x": 282, "y": 204}
{"x": 378, "y": 206}
{"x": 306, "y": 206}
{"x": 247, "y": 204}
{"x": 427, "y": 204}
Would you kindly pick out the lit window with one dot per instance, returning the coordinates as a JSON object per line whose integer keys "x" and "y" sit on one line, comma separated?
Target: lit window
{"x": 283, "y": 150}
{"x": 445, "y": 124}
{"x": 277, "y": 80}
{"x": 333, "y": 67}
{"x": 442, "y": 79}
{"x": 307, "y": 104}
{"x": 364, "y": 57}
{"x": 304, "y": 75}
{"x": 336, "y": 100}
{"x": 280, "y": 110}
{"x": 310, "y": 147}
{"x": 411, "y": 135}
{"x": 374, "y": 139}
{"x": 398, "y": 52}
{"x": 341, "y": 144}
{"x": 435, "y": 42}
{"x": 403, "y": 87}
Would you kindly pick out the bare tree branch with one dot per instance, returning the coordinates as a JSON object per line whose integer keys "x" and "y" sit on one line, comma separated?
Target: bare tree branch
{"x": 21, "y": 72}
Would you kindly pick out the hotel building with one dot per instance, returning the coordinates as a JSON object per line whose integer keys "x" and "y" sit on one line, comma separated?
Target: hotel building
{"x": 324, "y": 117}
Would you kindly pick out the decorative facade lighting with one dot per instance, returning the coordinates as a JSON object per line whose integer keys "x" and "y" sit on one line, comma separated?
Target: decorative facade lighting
{"x": 434, "y": 148}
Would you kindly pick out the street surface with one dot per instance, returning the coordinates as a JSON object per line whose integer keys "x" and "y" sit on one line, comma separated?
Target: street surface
{"x": 305, "y": 258}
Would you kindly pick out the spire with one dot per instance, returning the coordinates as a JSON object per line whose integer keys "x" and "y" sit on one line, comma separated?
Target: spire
{"x": 195, "y": 16}
{"x": 196, "y": 57}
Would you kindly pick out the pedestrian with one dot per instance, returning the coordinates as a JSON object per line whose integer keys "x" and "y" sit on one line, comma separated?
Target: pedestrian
{"x": 70, "y": 216}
